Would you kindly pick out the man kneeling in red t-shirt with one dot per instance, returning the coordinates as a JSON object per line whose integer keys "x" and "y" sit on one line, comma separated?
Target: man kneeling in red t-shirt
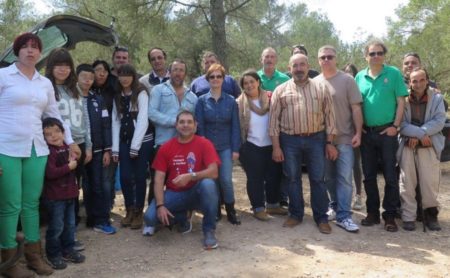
{"x": 190, "y": 164}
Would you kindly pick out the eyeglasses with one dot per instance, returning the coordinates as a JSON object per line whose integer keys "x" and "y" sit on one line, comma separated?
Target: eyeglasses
{"x": 378, "y": 53}
{"x": 327, "y": 57}
{"x": 215, "y": 77}
{"x": 156, "y": 58}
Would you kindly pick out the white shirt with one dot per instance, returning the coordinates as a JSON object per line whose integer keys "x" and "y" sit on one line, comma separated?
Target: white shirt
{"x": 23, "y": 105}
{"x": 258, "y": 132}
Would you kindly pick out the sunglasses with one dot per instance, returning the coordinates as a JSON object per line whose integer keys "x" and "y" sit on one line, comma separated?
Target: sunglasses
{"x": 378, "y": 53}
{"x": 327, "y": 57}
{"x": 215, "y": 77}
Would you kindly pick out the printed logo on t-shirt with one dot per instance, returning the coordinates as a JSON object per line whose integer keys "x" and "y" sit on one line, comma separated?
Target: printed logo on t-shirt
{"x": 191, "y": 162}
{"x": 184, "y": 164}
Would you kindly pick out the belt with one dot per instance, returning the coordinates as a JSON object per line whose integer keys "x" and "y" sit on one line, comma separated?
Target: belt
{"x": 306, "y": 134}
{"x": 377, "y": 128}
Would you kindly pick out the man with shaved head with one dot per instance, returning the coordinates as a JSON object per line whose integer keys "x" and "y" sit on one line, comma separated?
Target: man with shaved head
{"x": 302, "y": 128}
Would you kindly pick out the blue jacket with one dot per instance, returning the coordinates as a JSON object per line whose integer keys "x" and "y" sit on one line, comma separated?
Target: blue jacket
{"x": 219, "y": 121}
{"x": 200, "y": 86}
{"x": 163, "y": 109}
{"x": 100, "y": 121}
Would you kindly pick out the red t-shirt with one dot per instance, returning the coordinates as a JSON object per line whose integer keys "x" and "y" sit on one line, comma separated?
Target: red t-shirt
{"x": 175, "y": 158}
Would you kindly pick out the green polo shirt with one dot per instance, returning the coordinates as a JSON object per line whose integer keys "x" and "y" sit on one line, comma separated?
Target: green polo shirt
{"x": 380, "y": 95}
{"x": 269, "y": 84}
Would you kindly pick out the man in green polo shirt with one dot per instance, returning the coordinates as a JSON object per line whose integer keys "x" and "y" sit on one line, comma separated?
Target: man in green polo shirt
{"x": 270, "y": 79}
{"x": 270, "y": 76}
{"x": 383, "y": 91}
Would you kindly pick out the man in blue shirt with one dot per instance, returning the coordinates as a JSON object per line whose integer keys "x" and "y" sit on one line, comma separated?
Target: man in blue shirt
{"x": 200, "y": 85}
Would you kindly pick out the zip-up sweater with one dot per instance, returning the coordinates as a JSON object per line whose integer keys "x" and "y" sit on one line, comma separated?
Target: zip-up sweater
{"x": 74, "y": 113}
{"x": 100, "y": 122}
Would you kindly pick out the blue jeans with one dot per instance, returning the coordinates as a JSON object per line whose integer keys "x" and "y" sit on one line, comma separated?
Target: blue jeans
{"x": 225, "y": 181}
{"x": 133, "y": 173}
{"x": 263, "y": 175}
{"x": 339, "y": 181}
{"x": 98, "y": 193}
{"x": 203, "y": 196}
{"x": 375, "y": 147}
{"x": 109, "y": 180}
{"x": 60, "y": 236}
{"x": 310, "y": 149}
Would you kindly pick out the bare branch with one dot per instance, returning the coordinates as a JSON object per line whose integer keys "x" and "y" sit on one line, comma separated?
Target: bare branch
{"x": 237, "y": 7}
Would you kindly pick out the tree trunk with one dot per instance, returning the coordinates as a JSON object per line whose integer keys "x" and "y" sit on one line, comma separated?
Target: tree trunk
{"x": 219, "y": 37}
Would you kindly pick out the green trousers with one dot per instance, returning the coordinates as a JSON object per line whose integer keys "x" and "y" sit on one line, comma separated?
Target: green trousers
{"x": 20, "y": 189}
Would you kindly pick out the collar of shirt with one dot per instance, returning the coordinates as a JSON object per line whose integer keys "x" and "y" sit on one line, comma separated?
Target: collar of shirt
{"x": 153, "y": 75}
{"x": 209, "y": 96}
{"x": 13, "y": 69}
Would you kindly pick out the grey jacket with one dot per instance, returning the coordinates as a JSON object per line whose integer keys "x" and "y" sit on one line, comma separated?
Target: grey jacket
{"x": 434, "y": 123}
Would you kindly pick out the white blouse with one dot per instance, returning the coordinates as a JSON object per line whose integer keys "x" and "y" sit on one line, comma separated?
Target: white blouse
{"x": 258, "y": 132}
{"x": 23, "y": 105}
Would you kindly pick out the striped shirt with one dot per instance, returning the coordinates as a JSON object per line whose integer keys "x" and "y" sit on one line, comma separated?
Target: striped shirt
{"x": 301, "y": 109}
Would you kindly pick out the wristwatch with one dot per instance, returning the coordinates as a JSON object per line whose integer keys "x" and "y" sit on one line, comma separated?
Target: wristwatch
{"x": 396, "y": 127}
{"x": 193, "y": 175}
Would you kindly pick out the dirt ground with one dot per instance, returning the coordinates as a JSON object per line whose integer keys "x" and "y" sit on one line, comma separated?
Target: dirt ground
{"x": 266, "y": 249}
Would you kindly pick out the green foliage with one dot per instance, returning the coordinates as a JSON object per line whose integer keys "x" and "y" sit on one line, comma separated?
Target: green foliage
{"x": 423, "y": 27}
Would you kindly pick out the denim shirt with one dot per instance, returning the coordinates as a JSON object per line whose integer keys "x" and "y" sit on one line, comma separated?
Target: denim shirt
{"x": 163, "y": 109}
{"x": 218, "y": 121}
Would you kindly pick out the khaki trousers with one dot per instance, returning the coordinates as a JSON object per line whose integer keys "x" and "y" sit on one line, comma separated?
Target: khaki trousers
{"x": 428, "y": 171}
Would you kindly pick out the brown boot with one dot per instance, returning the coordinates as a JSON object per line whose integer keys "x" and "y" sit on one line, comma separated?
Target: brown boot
{"x": 12, "y": 268}
{"x": 126, "y": 222}
{"x": 35, "y": 261}
{"x": 138, "y": 219}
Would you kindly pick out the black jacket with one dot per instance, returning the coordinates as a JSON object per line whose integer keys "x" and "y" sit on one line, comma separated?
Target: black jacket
{"x": 100, "y": 121}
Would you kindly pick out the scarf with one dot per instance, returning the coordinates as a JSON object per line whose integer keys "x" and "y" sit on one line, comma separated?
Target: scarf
{"x": 246, "y": 105}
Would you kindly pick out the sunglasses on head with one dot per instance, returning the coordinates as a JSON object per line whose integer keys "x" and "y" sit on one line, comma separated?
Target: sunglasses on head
{"x": 327, "y": 57}
{"x": 378, "y": 53}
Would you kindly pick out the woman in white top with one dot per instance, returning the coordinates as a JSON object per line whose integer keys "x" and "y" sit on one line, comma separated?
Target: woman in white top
{"x": 25, "y": 98}
{"x": 133, "y": 141}
{"x": 263, "y": 174}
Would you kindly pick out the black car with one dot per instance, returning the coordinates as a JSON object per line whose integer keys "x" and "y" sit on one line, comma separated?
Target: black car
{"x": 65, "y": 31}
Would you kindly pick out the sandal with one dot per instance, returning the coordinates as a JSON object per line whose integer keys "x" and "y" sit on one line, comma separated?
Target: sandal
{"x": 390, "y": 225}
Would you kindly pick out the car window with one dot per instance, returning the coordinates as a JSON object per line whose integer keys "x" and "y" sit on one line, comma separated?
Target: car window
{"x": 51, "y": 38}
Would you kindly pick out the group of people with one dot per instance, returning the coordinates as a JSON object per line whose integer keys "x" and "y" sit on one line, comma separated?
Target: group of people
{"x": 71, "y": 129}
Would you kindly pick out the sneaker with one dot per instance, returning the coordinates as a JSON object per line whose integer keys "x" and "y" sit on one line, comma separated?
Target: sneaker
{"x": 284, "y": 204}
{"x": 210, "y": 240}
{"x": 186, "y": 227}
{"x": 331, "y": 214}
{"x": 106, "y": 229}
{"x": 57, "y": 263}
{"x": 277, "y": 211}
{"x": 78, "y": 246}
{"x": 348, "y": 225}
{"x": 74, "y": 257}
{"x": 148, "y": 231}
{"x": 357, "y": 205}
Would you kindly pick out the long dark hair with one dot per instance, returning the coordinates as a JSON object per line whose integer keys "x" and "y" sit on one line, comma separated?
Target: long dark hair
{"x": 352, "y": 68}
{"x": 252, "y": 73}
{"x": 57, "y": 57}
{"x": 136, "y": 87}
